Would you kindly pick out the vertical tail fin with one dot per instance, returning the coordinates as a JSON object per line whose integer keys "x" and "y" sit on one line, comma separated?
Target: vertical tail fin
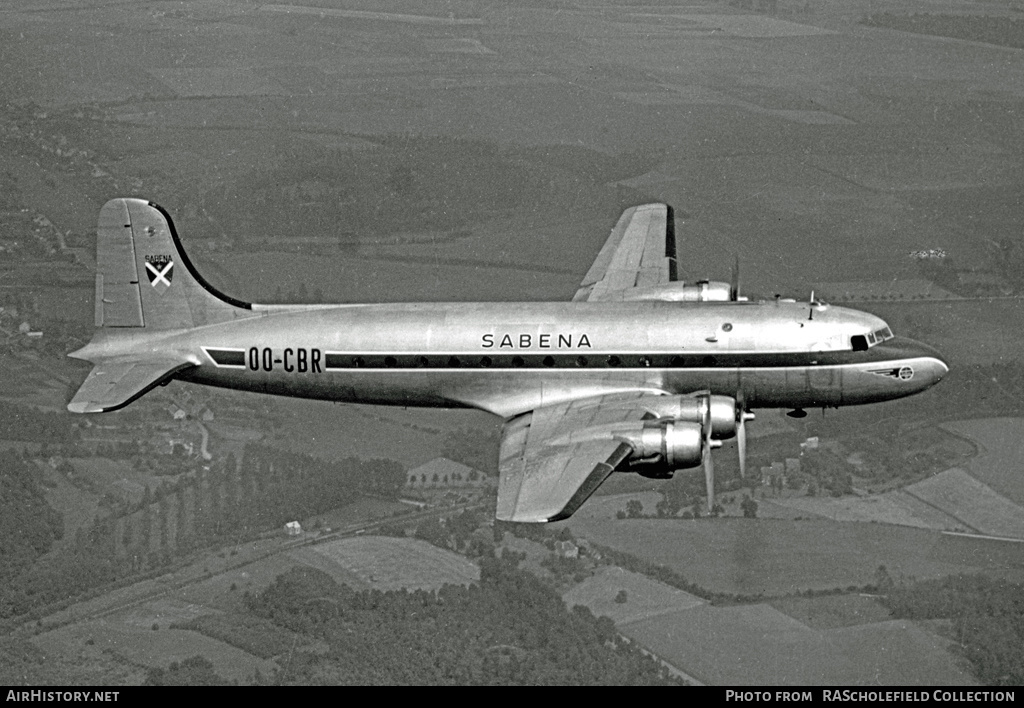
{"x": 144, "y": 278}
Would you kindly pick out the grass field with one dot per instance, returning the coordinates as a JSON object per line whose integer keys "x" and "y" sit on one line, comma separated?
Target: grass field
{"x": 144, "y": 648}
{"x": 1000, "y": 460}
{"x": 973, "y": 503}
{"x": 896, "y": 507}
{"x": 832, "y": 611}
{"x": 394, "y": 563}
{"x": 337, "y": 431}
{"x": 645, "y": 598}
{"x": 758, "y": 645}
{"x": 778, "y": 557}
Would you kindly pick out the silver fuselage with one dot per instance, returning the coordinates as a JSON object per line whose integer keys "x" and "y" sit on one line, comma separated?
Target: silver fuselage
{"x": 510, "y": 358}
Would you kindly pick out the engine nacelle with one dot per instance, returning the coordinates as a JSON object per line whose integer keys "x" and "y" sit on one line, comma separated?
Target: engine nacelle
{"x": 673, "y": 445}
{"x": 701, "y": 291}
{"x": 692, "y": 409}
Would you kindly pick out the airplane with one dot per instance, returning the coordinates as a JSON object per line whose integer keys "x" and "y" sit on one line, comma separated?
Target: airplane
{"x": 639, "y": 372}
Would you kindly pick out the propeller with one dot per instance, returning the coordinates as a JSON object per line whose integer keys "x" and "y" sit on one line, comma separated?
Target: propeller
{"x": 734, "y": 281}
{"x": 707, "y": 461}
{"x": 742, "y": 416}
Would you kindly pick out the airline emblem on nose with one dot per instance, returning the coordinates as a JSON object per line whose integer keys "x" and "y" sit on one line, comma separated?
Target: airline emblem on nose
{"x": 903, "y": 373}
{"x": 159, "y": 270}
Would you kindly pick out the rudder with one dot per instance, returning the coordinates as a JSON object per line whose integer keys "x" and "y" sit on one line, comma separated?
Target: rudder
{"x": 144, "y": 278}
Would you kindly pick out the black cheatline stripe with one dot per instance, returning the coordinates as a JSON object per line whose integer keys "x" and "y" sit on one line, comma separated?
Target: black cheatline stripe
{"x": 632, "y": 360}
{"x": 227, "y": 357}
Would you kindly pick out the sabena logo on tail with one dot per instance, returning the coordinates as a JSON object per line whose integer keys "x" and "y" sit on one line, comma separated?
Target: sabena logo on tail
{"x": 160, "y": 271}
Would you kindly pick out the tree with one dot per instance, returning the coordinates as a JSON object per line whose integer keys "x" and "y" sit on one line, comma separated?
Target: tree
{"x": 634, "y": 509}
{"x": 194, "y": 671}
{"x": 749, "y": 507}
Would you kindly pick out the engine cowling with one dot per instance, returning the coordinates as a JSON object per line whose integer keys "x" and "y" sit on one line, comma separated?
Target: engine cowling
{"x": 692, "y": 409}
{"x": 701, "y": 291}
{"x": 670, "y": 445}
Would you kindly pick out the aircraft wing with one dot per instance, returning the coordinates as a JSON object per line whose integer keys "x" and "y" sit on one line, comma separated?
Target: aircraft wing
{"x": 640, "y": 252}
{"x": 550, "y": 463}
{"x": 114, "y": 383}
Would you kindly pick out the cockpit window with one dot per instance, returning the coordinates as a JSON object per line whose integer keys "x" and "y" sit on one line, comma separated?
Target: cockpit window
{"x": 878, "y": 336}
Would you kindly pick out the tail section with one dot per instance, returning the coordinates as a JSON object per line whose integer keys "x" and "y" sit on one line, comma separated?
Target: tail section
{"x": 145, "y": 285}
{"x": 144, "y": 278}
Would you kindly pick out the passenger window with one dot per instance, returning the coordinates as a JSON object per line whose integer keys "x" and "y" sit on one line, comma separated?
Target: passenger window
{"x": 860, "y": 343}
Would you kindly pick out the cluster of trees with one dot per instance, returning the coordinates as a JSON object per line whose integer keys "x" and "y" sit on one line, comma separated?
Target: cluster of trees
{"x": 508, "y": 629}
{"x": 826, "y": 473}
{"x": 271, "y": 487}
{"x": 987, "y": 616}
{"x": 668, "y": 576}
{"x": 1003, "y": 31}
{"x": 250, "y": 633}
{"x": 19, "y": 422}
{"x": 28, "y": 525}
{"x": 452, "y": 533}
{"x": 194, "y": 671}
{"x": 230, "y": 502}
{"x": 566, "y": 570}
{"x": 672, "y": 502}
{"x": 87, "y": 563}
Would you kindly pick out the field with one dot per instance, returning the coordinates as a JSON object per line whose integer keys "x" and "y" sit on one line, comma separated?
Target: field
{"x": 896, "y": 507}
{"x": 645, "y": 598}
{"x": 395, "y": 563}
{"x": 758, "y": 645}
{"x": 108, "y": 643}
{"x": 781, "y": 557}
{"x": 676, "y": 114}
{"x": 791, "y": 641}
{"x": 972, "y": 503}
{"x": 337, "y": 431}
{"x": 1000, "y": 459}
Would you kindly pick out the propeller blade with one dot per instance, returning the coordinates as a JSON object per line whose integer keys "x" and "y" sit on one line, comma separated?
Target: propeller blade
{"x": 741, "y": 444}
{"x": 741, "y": 430}
{"x": 707, "y": 460}
{"x": 709, "y": 477}
{"x": 734, "y": 286}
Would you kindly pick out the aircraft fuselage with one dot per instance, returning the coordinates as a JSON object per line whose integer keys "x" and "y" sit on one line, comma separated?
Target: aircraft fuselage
{"x": 510, "y": 358}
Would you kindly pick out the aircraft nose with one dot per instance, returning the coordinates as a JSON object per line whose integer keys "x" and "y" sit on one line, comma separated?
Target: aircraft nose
{"x": 931, "y": 366}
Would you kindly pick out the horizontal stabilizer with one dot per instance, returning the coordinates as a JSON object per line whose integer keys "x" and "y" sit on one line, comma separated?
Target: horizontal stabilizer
{"x": 115, "y": 383}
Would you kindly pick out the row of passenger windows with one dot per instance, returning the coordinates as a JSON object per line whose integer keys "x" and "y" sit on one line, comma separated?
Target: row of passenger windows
{"x": 341, "y": 361}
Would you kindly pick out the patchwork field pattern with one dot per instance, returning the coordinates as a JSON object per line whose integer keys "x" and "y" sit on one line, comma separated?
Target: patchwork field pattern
{"x": 971, "y": 502}
{"x": 644, "y": 597}
{"x": 896, "y": 507}
{"x": 395, "y": 563}
{"x": 1000, "y": 460}
{"x": 758, "y": 645}
{"x": 113, "y": 638}
{"x": 779, "y": 557}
